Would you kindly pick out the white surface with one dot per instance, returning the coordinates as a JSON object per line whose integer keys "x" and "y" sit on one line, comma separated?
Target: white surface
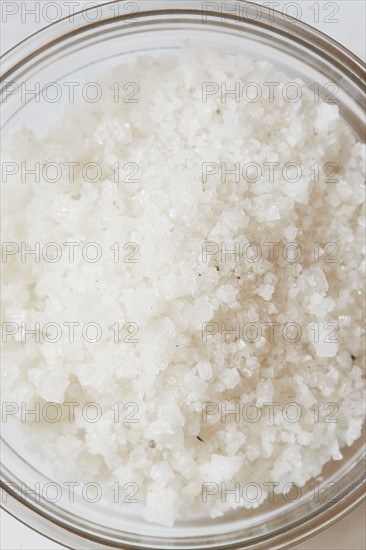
{"x": 349, "y": 30}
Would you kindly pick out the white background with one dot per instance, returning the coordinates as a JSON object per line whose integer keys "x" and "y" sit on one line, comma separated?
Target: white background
{"x": 349, "y": 534}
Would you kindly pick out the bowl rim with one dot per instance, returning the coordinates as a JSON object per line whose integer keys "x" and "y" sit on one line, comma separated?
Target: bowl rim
{"x": 296, "y": 30}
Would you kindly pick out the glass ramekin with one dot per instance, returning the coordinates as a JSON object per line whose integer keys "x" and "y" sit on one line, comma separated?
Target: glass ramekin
{"x": 102, "y": 37}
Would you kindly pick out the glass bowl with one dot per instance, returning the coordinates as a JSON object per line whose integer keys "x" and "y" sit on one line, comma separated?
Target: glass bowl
{"x": 85, "y": 45}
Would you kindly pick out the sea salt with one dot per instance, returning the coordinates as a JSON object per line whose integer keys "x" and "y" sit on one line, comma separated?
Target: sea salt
{"x": 164, "y": 301}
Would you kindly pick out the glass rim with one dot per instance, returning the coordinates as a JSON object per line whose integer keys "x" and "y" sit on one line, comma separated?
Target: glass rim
{"x": 61, "y": 532}
{"x": 294, "y": 29}
{"x": 152, "y": 11}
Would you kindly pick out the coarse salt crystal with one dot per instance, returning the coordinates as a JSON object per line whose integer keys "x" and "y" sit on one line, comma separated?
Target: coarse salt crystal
{"x": 265, "y": 292}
